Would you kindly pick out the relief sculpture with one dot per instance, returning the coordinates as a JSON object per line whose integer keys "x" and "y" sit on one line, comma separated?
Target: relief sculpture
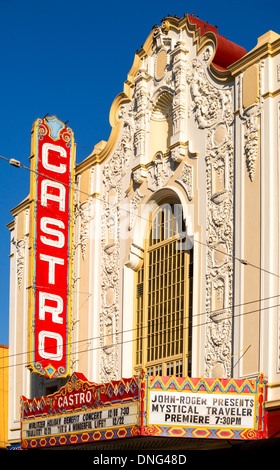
{"x": 212, "y": 108}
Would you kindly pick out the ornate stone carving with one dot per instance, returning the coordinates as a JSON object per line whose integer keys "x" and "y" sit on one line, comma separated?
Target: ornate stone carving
{"x": 186, "y": 180}
{"x": 109, "y": 284}
{"x": 250, "y": 116}
{"x": 124, "y": 149}
{"x": 20, "y": 248}
{"x": 178, "y": 153}
{"x": 179, "y": 101}
{"x": 134, "y": 204}
{"x": 251, "y": 138}
{"x": 140, "y": 110}
{"x": 84, "y": 227}
{"x": 159, "y": 172}
{"x": 139, "y": 175}
{"x": 113, "y": 172}
{"x": 213, "y": 112}
{"x": 209, "y": 104}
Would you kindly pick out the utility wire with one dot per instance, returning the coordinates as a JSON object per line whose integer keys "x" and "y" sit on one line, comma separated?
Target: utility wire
{"x": 141, "y": 337}
{"x": 19, "y": 164}
{"x": 245, "y": 262}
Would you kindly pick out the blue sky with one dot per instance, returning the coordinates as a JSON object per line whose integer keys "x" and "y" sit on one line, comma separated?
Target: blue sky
{"x": 70, "y": 59}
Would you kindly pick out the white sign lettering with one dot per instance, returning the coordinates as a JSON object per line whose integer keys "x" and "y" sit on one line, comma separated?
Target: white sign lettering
{"x": 49, "y": 196}
{"x": 45, "y": 222}
{"x": 52, "y": 260}
{"x": 45, "y": 157}
{"x": 59, "y": 342}
{"x": 54, "y": 310}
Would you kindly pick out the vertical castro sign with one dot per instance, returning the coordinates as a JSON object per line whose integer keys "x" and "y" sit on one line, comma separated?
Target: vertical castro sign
{"x": 51, "y": 195}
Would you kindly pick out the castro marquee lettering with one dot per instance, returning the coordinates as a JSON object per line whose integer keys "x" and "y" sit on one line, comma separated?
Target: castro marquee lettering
{"x": 51, "y": 223}
{"x": 75, "y": 399}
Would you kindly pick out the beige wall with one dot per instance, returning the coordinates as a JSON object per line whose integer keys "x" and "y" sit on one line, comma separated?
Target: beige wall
{"x": 251, "y": 275}
{"x": 103, "y": 280}
{"x": 4, "y": 395}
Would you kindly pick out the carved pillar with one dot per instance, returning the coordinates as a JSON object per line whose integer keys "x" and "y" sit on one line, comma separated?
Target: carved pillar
{"x": 178, "y": 55}
{"x": 109, "y": 320}
{"x": 212, "y": 108}
{"x": 20, "y": 255}
{"x": 141, "y": 103}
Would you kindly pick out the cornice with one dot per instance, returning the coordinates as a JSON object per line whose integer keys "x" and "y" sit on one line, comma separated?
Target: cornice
{"x": 21, "y": 206}
{"x": 255, "y": 55}
{"x": 201, "y": 39}
{"x": 92, "y": 159}
{"x": 11, "y": 225}
{"x": 271, "y": 405}
{"x": 271, "y": 94}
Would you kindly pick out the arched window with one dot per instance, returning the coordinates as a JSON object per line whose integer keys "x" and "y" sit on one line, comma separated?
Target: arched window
{"x": 164, "y": 297}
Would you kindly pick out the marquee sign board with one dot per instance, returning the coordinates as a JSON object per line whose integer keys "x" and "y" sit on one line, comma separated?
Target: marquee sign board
{"x": 83, "y": 412}
{"x": 201, "y": 409}
{"x": 125, "y": 415}
{"x": 205, "y": 408}
{"x": 52, "y": 163}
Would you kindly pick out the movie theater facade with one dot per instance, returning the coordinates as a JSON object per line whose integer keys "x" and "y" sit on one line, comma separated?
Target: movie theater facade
{"x": 145, "y": 280}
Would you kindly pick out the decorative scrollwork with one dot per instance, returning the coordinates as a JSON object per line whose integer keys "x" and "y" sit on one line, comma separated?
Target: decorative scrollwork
{"x": 212, "y": 108}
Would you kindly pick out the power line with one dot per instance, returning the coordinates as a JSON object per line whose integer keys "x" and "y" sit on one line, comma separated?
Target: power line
{"x": 123, "y": 332}
{"x": 18, "y": 164}
{"x": 242, "y": 261}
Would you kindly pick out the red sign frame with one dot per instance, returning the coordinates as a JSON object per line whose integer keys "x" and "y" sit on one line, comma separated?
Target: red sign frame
{"x": 231, "y": 399}
{"x": 67, "y": 416}
{"x": 51, "y": 195}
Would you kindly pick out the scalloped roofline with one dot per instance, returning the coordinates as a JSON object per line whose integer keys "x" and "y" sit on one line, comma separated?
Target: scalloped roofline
{"x": 226, "y": 53}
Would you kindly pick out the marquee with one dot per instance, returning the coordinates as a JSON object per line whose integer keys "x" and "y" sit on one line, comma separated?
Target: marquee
{"x": 205, "y": 408}
{"x": 52, "y": 163}
{"x": 83, "y": 412}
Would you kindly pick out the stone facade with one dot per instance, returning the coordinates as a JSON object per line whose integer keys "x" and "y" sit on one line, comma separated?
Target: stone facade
{"x": 204, "y": 128}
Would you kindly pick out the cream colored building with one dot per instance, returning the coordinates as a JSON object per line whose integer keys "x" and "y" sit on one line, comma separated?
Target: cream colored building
{"x": 4, "y": 393}
{"x": 176, "y": 259}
